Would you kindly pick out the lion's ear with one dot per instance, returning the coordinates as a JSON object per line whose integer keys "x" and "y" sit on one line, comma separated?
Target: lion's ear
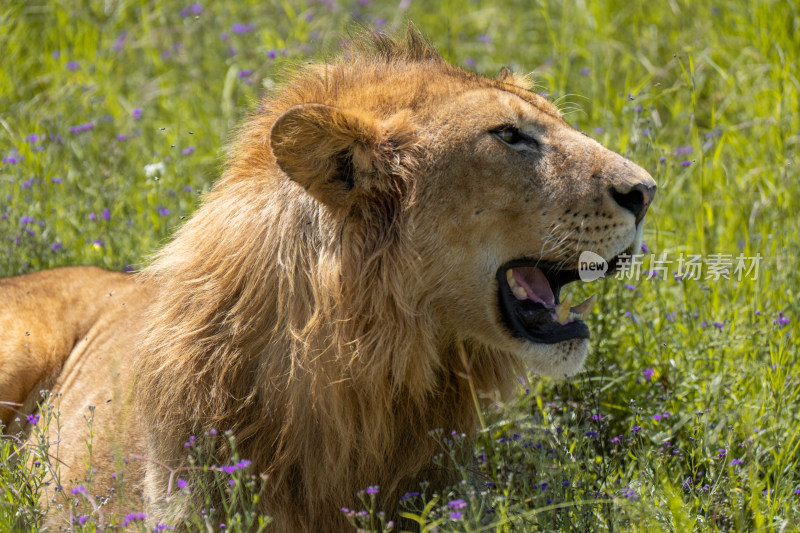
{"x": 332, "y": 151}
{"x": 508, "y": 76}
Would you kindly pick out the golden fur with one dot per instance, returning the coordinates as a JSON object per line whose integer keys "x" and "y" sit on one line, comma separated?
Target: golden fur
{"x": 334, "y": 298}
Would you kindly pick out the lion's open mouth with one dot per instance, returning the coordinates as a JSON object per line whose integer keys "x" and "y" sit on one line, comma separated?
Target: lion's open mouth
{"x": 530, "y": 304}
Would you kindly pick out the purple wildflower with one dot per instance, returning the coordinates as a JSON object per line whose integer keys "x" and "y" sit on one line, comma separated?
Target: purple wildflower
{"x": 245, "y": 73}
{"x": 106, "y": 214}
{"x": 638, "y": 109}
{"x": 469, "y": 62}
{"x": 630, "y": 287}
{"x": 92, "y": 217}
{"x": 136, "y": 114}
{"x": 722, "y": 453}
{"x": 455, "y": 516}
{"x": 409, "y": 495}
{"x": 55, "y": 246}
{"x": 80, "y": 128}
{"x": 781, "y": 320}
{"x": 484, "y": 38}
{"x": 122, "y": 137}
{"x": 73, "y": 65}
{"x": 665, "y": 414}
{"x": 82, "y": 519}
{"x": 656, "y": 417}
{"x": 585, "y": 71}
{"x": 98, "y": 243}
{"x": 457, "y": 504}
{"x": 119, "y": 44}
{"x": 683, "y": 150}
{"x": 648, "y": 373}
{"x": 232, "y": 482}
{"x": 56, "y": 180}
{"x": 239, "y": 28}
{"x": 33, "y": 419}
{"x": 719, "y": 325}
{"x": 645, "y": 248}
{"x": 616, "y": 440}
{"x": 629, "y": 493}
{"x": 182, "y": 483}
{"x": 80, "y": 489}
{"x": 598, "y": 130}
{"x": 735, "y": 462}
{"x": 187, "y": 188}
{"x": 244, "y": 463}
{"x": 228, "y": 469}
{"x": 27, "y": 184}
{"x": 271, "y": 54}
{"x": 164, "y": 211}
{"x": 32, "y": 138}
{"x": 133, "y": 517}
{"x": 597, "y": 417}
{"x": 188, "y": 151}
{"x": 685, "y": 163}
{"x": 636, "y": 429}
{"x": 372, "y": 489}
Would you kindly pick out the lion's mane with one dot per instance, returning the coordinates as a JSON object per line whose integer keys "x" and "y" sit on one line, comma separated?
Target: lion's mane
{"x": 306, "y": 330}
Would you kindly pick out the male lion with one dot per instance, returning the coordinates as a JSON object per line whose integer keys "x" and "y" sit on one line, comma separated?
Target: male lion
{"x": 390, "y": 232}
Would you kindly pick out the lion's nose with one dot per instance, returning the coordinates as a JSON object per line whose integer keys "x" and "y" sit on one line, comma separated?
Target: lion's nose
{"x": 635, "y": 199}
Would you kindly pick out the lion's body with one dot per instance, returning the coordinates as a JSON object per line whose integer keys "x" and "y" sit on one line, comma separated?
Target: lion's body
{"x": 335, "y": 298}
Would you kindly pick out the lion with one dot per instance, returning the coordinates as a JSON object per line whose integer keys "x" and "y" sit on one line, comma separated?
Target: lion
{"x": 390, "y": 237}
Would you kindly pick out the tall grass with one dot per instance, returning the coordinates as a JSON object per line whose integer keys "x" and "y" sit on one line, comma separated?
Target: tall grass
{"x": 114, "y": 118}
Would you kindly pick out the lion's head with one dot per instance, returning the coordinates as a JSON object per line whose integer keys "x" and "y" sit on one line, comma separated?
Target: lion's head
{"x": 495, "y": 195}
{"x": 388, "y": 225}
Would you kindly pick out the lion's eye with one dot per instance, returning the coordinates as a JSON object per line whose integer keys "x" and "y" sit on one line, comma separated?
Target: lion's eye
{"x": 508, "y": 134}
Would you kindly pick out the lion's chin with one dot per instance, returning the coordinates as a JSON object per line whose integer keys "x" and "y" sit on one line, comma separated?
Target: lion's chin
{"x": 556, "y": 360}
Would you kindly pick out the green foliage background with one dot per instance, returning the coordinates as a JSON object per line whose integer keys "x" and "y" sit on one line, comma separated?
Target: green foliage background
{"x": 703, "y": 94}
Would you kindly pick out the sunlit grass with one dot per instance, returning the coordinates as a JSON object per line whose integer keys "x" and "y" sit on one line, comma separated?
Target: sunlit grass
{"x": 704, "y": 95}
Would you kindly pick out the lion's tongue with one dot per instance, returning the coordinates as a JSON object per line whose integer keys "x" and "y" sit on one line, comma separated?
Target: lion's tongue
{"x": 535, "y": 283}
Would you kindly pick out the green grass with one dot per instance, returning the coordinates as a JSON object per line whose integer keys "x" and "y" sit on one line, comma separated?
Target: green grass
{"x": 651, "y": 80}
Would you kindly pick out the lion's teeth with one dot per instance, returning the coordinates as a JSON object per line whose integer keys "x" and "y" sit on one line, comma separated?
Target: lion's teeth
{"x": 583, "y": 309}
{"x": 562, "y": 311}
{"x": 516, "y": 289}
